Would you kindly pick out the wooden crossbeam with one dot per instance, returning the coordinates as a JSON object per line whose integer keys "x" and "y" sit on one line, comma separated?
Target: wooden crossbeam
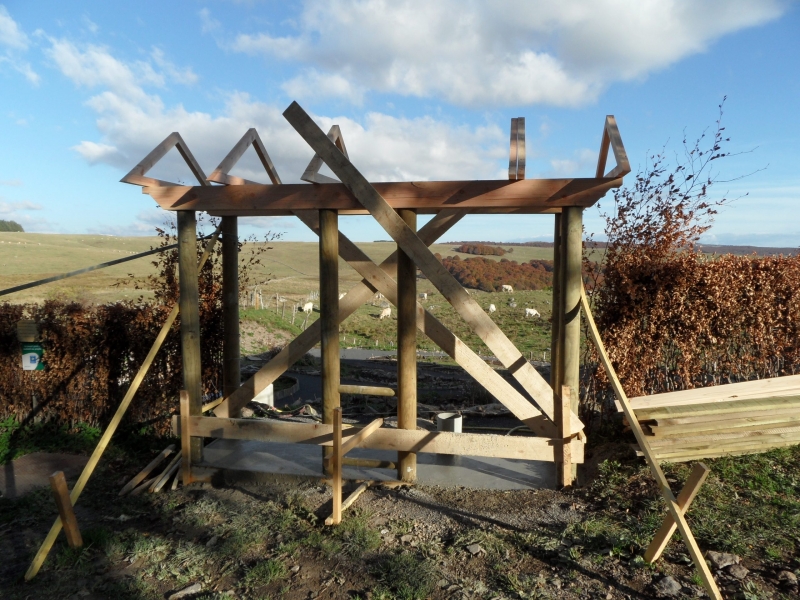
{"x": 690, "y": 489}
{"x": 436, "y": 273}
{"x": 405, "y": 440}
{"x": 675, "y": 511}
{"x": 532, "y": 195}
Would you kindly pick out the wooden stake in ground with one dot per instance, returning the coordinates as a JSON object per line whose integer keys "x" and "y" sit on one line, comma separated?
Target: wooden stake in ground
{"x": 48, "y": 542}
{"x": 61, "y": 494}
{"x": 675, "y": 510}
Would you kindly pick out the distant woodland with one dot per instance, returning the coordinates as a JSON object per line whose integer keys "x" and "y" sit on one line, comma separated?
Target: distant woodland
{"x": 10, "y": 226}
{"x": 490, "y": 275}
{"x": 481, "y": 249}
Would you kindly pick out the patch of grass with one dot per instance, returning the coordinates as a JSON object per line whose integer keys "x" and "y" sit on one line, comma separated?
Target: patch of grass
{"x": 16, "y": 440}
{"x": 493, "y": 545}
{"x": 265, "y": 573}
{"x": 356, "y": 537}
{"x": 407, "y": 576}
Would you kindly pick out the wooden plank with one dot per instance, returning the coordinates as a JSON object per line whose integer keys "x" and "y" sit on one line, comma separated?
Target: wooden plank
{"x": 436, "y": 442}
{"x": 538, "y": 194}
{"x": 766, "y": 441}
{"x": 311, "y": 174}
{"x": 520, "y": 148}
{"x": 168, "y": 472}
{"x": 336, "y": 466}
{"x": 685, "y": 498}
{"x": 512, "y": 153}
{"x": 602, "y": 156}
{"x": 437, "y": 274}
{"x": 357, "y": 439}
{"x": 366, "y": 390}
{"x": 250, "y": 138}
{"x": 710, "y": 438}
{"x": 623, "y": 166}
{"x": 572, "y": 269}
{"x": 407, "y": 350}
{"x": 689, "y": 455}
{"x": 562, "y": 414}
{"x": 775, "y": 387}
{"x": 58, "y": 484}
{"x": 714, "y": 409}
{"x": 350, "y": 500}
{"x": 721, "y": 416}
{"x": 186, "y": 440}
{"x": 726, "y": 425}
{"x": 672, "y": 505}
{"x": 91, "y": 464}
{"x": 190, "y": 318}
{"x": 146, "y": 471}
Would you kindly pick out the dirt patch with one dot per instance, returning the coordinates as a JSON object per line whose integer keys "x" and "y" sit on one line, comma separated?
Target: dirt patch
{"x": 255, "y": 337}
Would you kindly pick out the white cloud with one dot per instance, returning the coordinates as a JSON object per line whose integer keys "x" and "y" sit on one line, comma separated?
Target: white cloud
{"x": 312, "y": 84}
{"x": 11, "y": 182}
{"x": 209, "y": 23}
{"x": 475, "y": 53}
{"x": 132, "y": 122}
{"x": 583, "y": 160}
{"x": 15, "y": 42}
{"x": 11, "y": 35}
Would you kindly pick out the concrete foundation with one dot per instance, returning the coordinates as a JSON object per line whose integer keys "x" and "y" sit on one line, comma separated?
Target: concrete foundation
{"x": 253, "y": 459}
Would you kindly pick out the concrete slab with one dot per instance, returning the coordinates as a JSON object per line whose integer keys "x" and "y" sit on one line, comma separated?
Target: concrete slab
{"x": 305, "y": 460}
{"x": 32, "y": 471}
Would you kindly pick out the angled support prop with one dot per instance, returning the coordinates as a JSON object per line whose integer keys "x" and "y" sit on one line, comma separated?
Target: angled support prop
{"x": 676, "y": 511}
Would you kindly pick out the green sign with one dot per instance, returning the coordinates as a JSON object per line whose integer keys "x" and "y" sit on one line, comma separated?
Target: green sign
{"x": 32, "y": 356}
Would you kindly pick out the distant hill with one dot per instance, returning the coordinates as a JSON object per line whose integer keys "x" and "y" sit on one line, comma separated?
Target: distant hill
{"x": 10, "y": 226}
{"x": 707, "y": 248}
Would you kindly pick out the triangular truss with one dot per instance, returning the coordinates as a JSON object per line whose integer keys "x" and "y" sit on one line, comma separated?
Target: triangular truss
{"x": 516, "y": 158}
{"x": 612, "y": 138}
{"x": 251, "y": 138}
{"x": 312, "y": 174}
{"x": 136, "y": 176}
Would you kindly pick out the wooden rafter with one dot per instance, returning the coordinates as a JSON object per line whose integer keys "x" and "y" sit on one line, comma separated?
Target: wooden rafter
{"x": 251, "y": 138}
{"x": 136, "y": 176}
{"x": 612, "y": 138}
{"x": 410, "y": 243}
{"x": 516, "y": 160}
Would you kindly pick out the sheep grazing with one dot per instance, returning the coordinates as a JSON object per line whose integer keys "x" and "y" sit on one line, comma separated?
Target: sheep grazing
{"x": 492, "y": 308}
{"x": 423, "y": 296}
{"x": 386, "y": 312}
{"x": 532, "y": 312}
{"x": 308, "y": 307}
{"x": 507, "y": 288}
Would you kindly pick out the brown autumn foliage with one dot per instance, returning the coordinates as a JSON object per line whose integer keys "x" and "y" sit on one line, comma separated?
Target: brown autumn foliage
{"x": 92, "y": 352}
{"x": 489, "y": 275}
{"x": 673, "y": 318}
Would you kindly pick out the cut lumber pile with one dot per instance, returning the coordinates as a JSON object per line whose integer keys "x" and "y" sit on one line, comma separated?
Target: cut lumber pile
{"x": 739, "y": 418}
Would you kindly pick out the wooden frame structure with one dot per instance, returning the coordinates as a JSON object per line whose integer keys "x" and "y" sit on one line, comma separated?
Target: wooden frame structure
{"x": 552, "y": 416}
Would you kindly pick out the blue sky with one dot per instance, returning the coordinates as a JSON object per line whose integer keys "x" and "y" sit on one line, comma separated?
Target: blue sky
{"x": 421, "y": 90}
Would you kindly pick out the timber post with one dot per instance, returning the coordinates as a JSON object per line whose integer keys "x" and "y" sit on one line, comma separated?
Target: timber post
{"x": 556, "y": 320}
{"x": 572, "y": 242}
{"x": 231, "y": 370}
{"x": 329, "y": 313}
{"x": 407, "y": 351}
{"x": 190, "y": 321}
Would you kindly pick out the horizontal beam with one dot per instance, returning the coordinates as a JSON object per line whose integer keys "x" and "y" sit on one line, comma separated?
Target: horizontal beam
{"x": 366, "y": 390}
{"x": 529, "y": 195}
{"x": 404, "y": 440}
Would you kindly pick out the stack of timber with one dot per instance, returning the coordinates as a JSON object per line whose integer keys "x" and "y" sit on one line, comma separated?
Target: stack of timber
{"x": 739, "y": 418}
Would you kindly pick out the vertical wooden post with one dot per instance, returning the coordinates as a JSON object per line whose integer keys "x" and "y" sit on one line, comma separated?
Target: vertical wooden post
{"x": 556, "y": 317}
{"x": 61, "y": 494}
{"x": 190, "y": 320}
{"x": 329, "y": 313}
{"x": 231, "y": 370}
{"x": 572, "y": 224}
{"x": 407, "y": 351}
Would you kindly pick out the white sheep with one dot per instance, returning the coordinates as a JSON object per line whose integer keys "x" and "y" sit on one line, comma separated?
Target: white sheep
{"x": 532, "y": 312}
{"x": 386, "y": 312}
{"x": 507, "y": 288}
{"x": 492, "y": 308}
{"x": 308, "y": 307}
